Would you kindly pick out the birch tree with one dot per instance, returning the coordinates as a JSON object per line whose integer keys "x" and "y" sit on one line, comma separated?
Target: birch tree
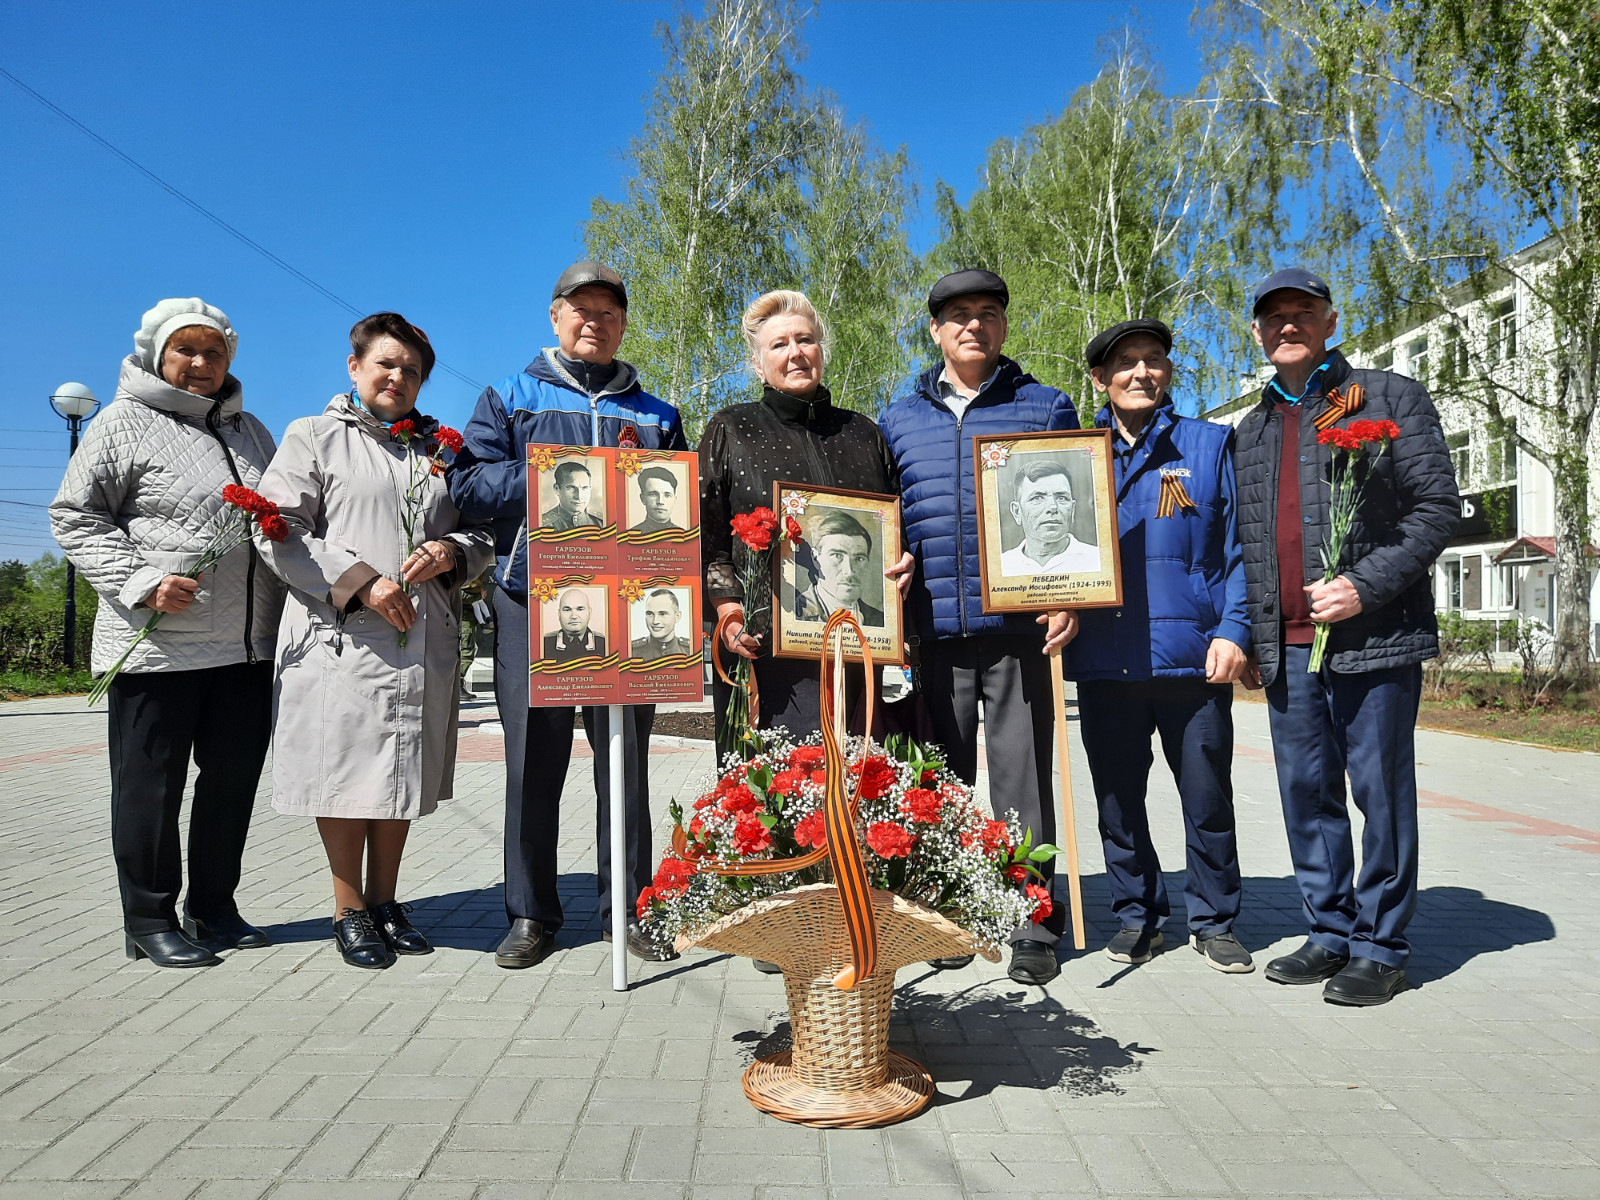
{"x": 1431, "y": 143}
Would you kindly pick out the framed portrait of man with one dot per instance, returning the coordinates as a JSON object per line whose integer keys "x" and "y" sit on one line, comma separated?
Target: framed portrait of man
{"x": 1047, "y": 521}
{"x": 573, "y": 627}
{"x": 846, "y": 539}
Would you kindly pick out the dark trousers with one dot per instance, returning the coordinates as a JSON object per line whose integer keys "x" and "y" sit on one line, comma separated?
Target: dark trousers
{"x": 1195, "y": 722}
{"x": 223, "y": 716}
{"x": 1323, "y": 726}
{"x": 790, "y": 696}
{"x": 538, "y": 751}
{"x": 1011, "y": 676}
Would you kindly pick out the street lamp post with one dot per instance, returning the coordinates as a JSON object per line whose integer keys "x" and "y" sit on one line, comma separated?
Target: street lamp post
{"x": 76, "y": 403}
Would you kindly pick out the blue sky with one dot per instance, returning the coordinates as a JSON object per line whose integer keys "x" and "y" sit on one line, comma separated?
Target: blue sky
{"x": 437, "y": 161}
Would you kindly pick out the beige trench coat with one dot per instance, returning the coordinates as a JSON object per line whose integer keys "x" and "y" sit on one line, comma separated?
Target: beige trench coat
{"x": 364, "y": 727}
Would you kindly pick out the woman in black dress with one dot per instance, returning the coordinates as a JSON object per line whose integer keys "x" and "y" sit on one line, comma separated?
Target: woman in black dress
{"x": 794, "y": 433}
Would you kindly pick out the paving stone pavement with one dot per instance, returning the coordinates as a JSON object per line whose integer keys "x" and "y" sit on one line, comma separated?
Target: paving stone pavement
{"x": 285, "y": 1074}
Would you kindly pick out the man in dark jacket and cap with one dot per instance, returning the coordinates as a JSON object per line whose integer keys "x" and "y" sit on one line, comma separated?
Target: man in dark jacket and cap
{"x": 1358, "y": 713}
{"x": 968, "y": 655}
{"x": 1165, "y": 662}
{"x": 576, "y": 393}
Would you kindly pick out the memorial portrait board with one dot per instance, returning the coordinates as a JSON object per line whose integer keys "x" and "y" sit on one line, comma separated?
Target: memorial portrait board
{"x": 847, "y": 539}
{"x": 572, "y": 524}
{"x": 660, "y": 513}
{"x": 665, "y": 644}
{"x": 1047, "y": 521}
{"x": 571, "y": 633}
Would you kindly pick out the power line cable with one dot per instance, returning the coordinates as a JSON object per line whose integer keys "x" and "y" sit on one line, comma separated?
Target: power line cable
{"x": 205, "y": 212}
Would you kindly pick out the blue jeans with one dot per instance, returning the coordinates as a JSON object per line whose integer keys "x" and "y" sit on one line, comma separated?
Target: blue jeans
{"x": 1323, "y": 726}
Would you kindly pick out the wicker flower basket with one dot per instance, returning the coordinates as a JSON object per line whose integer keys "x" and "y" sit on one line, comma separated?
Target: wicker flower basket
{"x": 840, "y": 1072}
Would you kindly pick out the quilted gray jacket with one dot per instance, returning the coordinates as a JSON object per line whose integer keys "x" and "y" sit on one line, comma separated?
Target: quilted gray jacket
{"x": 138, "y": 503}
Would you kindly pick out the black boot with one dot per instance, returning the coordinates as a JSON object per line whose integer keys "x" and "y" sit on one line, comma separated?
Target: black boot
{"x": 1309, "y": 964}
{"x": 224, "y": 933}
{"x": 399, "y": 934}
{"x": 1364, "y": 983}
{"x": 169, "y": 948}
{"x": 359, "y": 941}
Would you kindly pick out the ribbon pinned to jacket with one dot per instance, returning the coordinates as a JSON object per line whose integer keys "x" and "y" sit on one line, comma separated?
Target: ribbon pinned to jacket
{"x": 840, "y": 805}
{"x": 1174, "y": 497}
{"x": 1340, "y": 407}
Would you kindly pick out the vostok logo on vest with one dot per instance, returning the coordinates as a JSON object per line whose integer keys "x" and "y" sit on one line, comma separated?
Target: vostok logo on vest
{"x": 1177, "y": 472}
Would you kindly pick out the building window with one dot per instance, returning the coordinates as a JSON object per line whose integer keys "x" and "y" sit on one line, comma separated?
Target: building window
{"x": 1460, "y": 447}
{"x": 1417, "y": 359}
{"x": 1384, "y": 361}
{"x": 1452, "y": 583}
{"x": 1454, "y": 365}
{"x": 1500, "y": 467}
{"x": 1503, "y": 330}
{"x": 1505, "y": 585}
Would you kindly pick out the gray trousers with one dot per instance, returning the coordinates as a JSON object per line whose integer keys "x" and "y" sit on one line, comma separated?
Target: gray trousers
{"x": 1011, "y": 675}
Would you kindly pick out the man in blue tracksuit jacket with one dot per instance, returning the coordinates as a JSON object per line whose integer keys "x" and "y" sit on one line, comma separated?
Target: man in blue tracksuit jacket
{"x": 968, "y": 655}
{"x": 575, "y": 394}
{"x": 1165, "y": 662}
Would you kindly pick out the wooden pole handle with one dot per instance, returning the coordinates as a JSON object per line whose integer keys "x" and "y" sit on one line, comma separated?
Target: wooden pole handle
{"x": 1069, "y": 825}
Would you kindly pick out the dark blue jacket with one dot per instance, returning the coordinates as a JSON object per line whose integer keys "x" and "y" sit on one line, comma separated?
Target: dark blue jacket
{"x": 1183, "y": 575}
{"x": 933, "y": 451}
{"x": 489, "y": 477}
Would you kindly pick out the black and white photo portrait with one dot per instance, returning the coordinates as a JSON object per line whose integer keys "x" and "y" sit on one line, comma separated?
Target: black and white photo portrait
{"x": 1049, "y": 498}
{"x": 659, "y": 623}
{"x": 573, "y": 494}
{"x": 658, "y": 501}
{"x": 839, "y": 565}
{"x": 574, "y": 624}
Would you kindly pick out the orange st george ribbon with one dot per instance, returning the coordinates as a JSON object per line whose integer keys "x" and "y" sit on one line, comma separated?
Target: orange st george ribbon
{"x": 1340, "y": 407}
{"x": 752, "y": 691}
{"x": 839, "y": 816}
{"x": 1174, "y": 497}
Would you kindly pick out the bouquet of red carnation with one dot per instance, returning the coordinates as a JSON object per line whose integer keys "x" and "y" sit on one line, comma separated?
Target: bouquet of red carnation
{"x": 425, "y": 461}
{"x": 1354, "y": 448}
{"x": 241, "y": 508}
{"x": 924, "y": 833}
{"x": 756, "y": 532}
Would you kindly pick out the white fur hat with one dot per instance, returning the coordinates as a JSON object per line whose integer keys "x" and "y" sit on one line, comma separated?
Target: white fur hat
{"x": 169, "y": 316}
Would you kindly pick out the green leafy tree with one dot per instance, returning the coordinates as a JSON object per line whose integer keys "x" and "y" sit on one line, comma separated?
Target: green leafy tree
{"x": 743, "y": 182}
{"x": 13, "y": 581}
{"x": 1442, "y": 152}
{"x": 46, "y": 589}
{"x": 1109, "y": 211}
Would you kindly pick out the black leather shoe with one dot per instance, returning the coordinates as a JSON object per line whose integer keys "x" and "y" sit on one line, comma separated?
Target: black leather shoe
{"x": 359, "y": 941}
{"x": 169, "y": 948}
{"x": 1309, "y": 964}
{"x": 224, "y": 933}
{"x": 1033, "y": 962}
{"x": 525, "y": 945}
{"x": 954, "y": 963}
{"x": 641, "y": 946}
{"x": 1364, "y": 983}
{"x": 399, "y": 934}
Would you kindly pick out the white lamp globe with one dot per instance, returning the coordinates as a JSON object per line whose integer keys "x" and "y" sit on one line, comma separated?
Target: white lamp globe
{"x": 74, "y": 400}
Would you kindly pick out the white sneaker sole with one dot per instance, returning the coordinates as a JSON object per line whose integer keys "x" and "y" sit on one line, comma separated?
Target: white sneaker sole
{"x": 1243, "y": 968}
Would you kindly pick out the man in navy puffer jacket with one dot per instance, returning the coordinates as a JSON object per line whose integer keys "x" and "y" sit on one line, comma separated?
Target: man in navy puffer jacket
{"x": 966, "y": 654}
{"x": 575, "y": 394}
{"x": 1165, "y": 662}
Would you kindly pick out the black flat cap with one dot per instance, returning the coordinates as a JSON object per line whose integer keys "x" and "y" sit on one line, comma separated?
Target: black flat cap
{"x": 1295, "y": 278}
{"x": 967, "y": 283}
{"x": 1100, "y": 345}
{"x": 590, "y": 274}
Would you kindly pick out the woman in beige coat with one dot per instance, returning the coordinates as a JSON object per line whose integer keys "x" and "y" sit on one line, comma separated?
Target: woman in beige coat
{"x": 365, "y": 698}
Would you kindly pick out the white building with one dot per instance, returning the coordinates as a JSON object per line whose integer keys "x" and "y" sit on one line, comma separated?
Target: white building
{"x": 1501, "y": 563}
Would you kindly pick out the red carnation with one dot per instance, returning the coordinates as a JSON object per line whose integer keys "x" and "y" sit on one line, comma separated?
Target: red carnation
{"x": 967, "y": 839}
{"x": 695, "y": 826}
{"x": 672, "y": 877}
{"x": 877, "y": 776}
{"x": 791, "y": 530}
{"x": 996, "y": 836}
{"x": 449, "y": 438}
{"x": 1340, "y": 439}
{"x": 755, "y": 529}
{"x": 787, "y": 783}
{"x": 806, "y": 758}
{"x": 889, "y": 840}
{"x": 750, "y": 836}
{"x": 645, "y": 896}
{"x": 1016, "y": 872}
{"x": 740, "y": 800}
{"x": 820, "y": 778}
{"x": 928, "y": 777}
{"x": 921, "y": 805}
{"x": 1044, "y": 906}
{"x": 403, "y": 429}
{"x": 812, "y": 831}
{"x": 704, "y": 802}
{"x": 274, "y": 527}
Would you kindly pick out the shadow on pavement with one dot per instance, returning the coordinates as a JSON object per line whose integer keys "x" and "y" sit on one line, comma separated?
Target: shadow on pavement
{"x": 991, "y": 1038}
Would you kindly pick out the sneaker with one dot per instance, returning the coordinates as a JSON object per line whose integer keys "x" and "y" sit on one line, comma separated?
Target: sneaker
{"x": 1223, "y": 953}
{"x": 1136, "y": 945}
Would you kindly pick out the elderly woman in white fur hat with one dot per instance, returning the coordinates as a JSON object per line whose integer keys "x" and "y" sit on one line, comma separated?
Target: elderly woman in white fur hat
{"x": 134, "y": 513}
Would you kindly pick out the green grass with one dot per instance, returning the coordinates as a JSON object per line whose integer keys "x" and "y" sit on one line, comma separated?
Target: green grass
{"x": 20, "y": 685}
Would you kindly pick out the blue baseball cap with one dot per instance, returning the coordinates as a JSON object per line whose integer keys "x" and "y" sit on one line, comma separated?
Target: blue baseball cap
{"x": 1294, "y": 278}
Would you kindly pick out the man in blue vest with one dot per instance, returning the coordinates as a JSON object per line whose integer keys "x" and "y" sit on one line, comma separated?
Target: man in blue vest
{"x": 577, "y": 393}
{"x": 966, "y": 654}
{"x": 1165, "y": 662}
